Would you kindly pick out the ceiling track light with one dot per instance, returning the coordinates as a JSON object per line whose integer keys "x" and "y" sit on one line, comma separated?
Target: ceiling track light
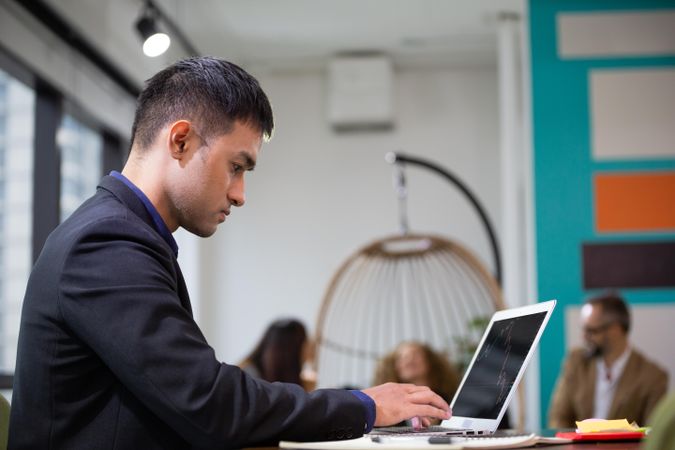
{"x": 155, "y": 41}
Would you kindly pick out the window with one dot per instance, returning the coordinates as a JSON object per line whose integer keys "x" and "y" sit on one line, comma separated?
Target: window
{"x": 81, "y": 153}
{"x": 37, "y": 192}
{"x": 17, "y": 108}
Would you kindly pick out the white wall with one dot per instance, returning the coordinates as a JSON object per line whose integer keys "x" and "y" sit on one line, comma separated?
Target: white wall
{"x": 317, "y": 196}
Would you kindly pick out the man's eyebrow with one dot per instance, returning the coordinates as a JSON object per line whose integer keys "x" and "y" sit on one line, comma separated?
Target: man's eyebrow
{"x": 249, "y": 161}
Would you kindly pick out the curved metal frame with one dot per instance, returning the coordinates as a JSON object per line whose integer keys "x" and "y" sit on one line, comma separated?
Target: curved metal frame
{"x": 399, "y": 158}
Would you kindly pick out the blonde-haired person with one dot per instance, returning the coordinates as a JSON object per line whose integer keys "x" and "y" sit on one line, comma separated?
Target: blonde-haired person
{"x": 417, "y": 363}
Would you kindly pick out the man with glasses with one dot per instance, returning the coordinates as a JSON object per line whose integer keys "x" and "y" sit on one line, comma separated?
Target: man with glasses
{"x": 607, "y": 379}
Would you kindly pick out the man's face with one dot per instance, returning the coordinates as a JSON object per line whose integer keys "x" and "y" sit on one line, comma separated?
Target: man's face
{"x": 596, "y": 329}
{"x": 212, "y": 178}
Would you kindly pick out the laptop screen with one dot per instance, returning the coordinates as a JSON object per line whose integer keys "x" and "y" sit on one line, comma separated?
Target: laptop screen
{"x": 496, "y": 366}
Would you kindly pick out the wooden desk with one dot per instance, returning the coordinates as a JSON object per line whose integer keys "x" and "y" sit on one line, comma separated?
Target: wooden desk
{"x": 631, "y": 445}
{"x": 579, "y": 446}
{"x": 595, "y": 446}
{"x": 575, "y": 446}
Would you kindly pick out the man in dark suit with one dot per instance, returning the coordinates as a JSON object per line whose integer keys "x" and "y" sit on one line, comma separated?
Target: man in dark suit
{"x": 109, "y": 355}
{"x": 608, "y": 379}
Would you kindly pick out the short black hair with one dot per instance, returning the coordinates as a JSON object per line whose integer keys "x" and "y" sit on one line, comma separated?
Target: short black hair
{"x": 209, "y": 91}
{"x": 614, "y": 308}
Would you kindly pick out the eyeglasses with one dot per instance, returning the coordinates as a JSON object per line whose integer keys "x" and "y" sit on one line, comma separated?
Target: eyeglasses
{"x": 597, "y": 330}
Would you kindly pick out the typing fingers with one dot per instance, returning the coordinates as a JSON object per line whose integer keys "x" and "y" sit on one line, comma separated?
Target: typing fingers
{"x": 422, "y": 422}
{"x": 396, "y": 402}
{"x": 428, "y": 397}
{"x": 429, "y": 411}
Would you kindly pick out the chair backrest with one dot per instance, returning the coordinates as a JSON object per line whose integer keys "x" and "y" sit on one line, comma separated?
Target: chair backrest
{"x": 662, "y": 422}
{"x": 4, "y": 422}
{"x": 416, "y": 287}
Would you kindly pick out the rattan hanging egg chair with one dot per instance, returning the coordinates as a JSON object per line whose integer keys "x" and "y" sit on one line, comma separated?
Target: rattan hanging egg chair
{"x": 414, "y": 287}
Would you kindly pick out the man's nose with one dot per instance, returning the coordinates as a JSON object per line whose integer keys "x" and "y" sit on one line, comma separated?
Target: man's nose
{"x": 236, "y": 194}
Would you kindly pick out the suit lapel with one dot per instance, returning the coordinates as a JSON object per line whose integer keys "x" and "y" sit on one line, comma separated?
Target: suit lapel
{"x": 630, "y": 372}
{"x": 182, "y": 288}
{"x": 131, "y": 200}
{"x": 588, "y": 405}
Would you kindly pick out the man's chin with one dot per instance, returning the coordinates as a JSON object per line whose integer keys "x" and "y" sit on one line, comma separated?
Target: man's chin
{"x": 202, "y": 232}
{"x": 593, "y": 351}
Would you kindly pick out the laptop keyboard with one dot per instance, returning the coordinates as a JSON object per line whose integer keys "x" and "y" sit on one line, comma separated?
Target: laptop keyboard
{"x": 428, "y": 431}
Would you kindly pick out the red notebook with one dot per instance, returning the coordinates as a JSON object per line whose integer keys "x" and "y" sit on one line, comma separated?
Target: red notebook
{"x": 602, "y": 436}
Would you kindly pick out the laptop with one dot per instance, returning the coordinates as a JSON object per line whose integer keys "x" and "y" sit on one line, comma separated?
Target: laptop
{"x": 492, "y": 377}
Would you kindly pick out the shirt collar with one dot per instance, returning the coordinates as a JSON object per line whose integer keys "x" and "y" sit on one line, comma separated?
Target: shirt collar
{"x": 621, "y": 361}
{"x": 617, "y": 368}
{"x": 160, "y": 226}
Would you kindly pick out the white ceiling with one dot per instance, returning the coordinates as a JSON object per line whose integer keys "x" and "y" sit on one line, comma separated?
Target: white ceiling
{"x": 299, "y": 33}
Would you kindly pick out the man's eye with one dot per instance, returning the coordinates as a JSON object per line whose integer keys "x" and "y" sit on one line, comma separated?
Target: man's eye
{"x": 236, "y": 168}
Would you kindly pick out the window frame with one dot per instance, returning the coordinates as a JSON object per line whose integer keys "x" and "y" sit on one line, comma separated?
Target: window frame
{"x": 50, "y": 107}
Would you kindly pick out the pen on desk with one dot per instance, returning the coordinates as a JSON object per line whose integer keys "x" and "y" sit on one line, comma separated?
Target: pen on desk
{"x": 395, "y": 438}
{"x": 440, "y": 440}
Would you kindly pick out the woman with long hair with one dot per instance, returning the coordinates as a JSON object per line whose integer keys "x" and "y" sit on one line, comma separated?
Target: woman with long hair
{"x": 280, "y": 354}
{"x": 417, "y": 363}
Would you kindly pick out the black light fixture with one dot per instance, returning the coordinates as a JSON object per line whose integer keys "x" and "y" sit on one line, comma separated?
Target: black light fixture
{"x": 155, "y": 42}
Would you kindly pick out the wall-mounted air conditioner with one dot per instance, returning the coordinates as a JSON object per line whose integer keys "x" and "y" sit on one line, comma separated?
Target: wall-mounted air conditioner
{"x": 360, "y": 92}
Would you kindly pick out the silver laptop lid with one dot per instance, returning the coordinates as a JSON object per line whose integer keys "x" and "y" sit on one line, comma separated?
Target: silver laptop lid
{"x": 498, "y": 363}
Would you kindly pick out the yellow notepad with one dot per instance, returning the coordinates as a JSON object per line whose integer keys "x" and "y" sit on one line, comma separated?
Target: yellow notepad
{"x": 600, "y": 425}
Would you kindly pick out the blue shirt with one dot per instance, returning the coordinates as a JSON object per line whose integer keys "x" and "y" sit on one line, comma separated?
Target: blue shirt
{"x": 163, "y": 230}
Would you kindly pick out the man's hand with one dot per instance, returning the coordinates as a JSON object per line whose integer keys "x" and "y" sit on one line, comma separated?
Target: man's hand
{"x": 397, "y": 402}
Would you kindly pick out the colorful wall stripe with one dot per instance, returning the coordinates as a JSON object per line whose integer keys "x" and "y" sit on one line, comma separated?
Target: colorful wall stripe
{"x": 634, "y": 202}
{"x": 629, "y": 265}
{"x": 632, "y": 113}
{"x": 605, "y": 34}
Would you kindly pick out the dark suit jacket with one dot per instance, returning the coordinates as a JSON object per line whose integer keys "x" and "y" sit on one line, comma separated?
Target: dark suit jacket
{"x": 110, "y": 357}
{"x": 641, "y": 386}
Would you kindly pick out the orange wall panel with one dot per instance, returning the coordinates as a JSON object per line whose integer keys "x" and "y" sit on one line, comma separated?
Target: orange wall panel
{"x": 634, "y": 202}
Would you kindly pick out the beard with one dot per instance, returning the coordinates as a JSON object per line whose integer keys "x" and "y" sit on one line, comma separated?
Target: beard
{"x": 594, "y": 351}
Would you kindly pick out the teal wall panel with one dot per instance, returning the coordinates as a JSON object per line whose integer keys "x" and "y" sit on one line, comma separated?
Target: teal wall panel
{"x": 564, "y": 168}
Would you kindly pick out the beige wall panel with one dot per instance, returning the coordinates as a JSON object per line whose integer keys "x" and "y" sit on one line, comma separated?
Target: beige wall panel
{"x": 632, "y": 113}
{"x": 616, "y": 34}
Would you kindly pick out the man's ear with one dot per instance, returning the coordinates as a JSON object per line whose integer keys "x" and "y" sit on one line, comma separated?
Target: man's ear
{"x": 178, "y": 138}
